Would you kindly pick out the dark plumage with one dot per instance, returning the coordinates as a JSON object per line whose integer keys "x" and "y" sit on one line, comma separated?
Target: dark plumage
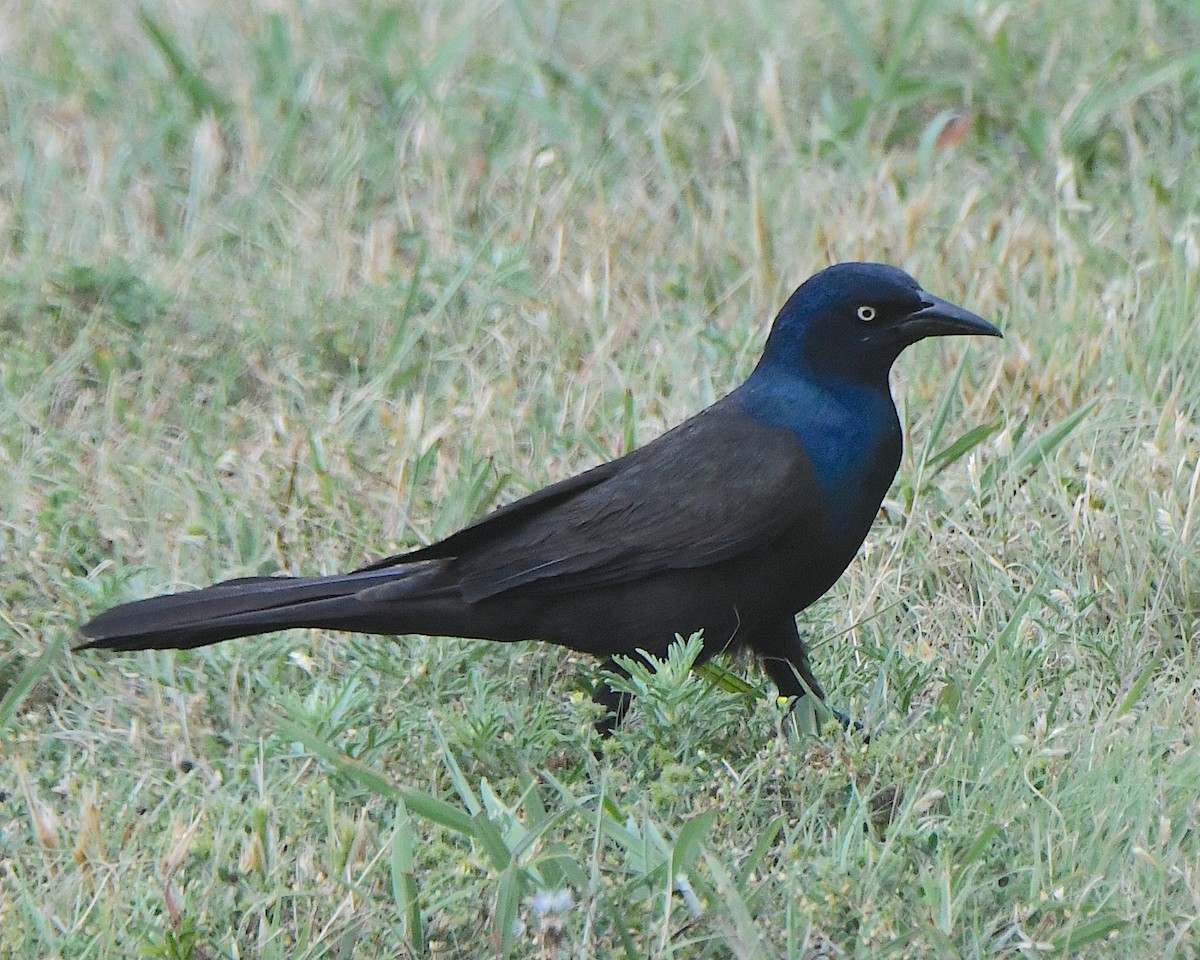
{"x": 731, "y": 523}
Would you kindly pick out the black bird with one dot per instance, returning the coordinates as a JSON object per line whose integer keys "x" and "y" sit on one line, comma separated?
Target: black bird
{"x": 730, "y": 523}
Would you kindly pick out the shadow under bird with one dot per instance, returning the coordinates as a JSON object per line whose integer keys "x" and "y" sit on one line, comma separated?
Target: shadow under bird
{"x": 730, "y": 524}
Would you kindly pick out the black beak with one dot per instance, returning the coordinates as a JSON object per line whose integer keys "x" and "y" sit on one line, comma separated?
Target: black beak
{"x": 941, "y": 318}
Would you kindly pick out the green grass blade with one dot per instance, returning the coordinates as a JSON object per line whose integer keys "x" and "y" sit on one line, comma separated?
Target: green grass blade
{"x": 352, "y": 770}
{"x": 851, "y": 24}
{"x": 203, "y": 96}
{"x": 975, "y": 851}
{"x": 1106, "y": 97}
{"x": 491, "y": 841}
{"x": 938, "y": 424}
{"x": 689, "y": 842}
{"x": 765, "y": 840}
{"x": 1100, "y": 927}
{"x": 461, "y": 787}
{"x": 963, "y": 445}
{"x": 1129, "y": 701}
{"x": 29, "y": 678}
{"x": 404, "y": 882}
{"x": 741, "y": 932}
{"x": 725, "y": 679}
{"x": 438, "y": 811}
{"x": 1040, "y": 448}
{"x": 510, "y": 890}
{"x": 1003, "y": 641}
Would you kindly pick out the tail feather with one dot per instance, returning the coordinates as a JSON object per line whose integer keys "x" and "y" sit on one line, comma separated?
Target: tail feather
{"x": 242, "y": 608}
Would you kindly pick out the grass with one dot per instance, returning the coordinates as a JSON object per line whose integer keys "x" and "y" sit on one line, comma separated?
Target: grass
{"x": 285, "y": 287}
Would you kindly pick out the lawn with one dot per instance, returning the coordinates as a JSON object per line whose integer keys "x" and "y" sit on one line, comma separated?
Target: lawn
{"x": 286, "y": 287}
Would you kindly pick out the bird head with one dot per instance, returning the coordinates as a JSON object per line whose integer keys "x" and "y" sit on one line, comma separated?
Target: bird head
{"x": 851, "y": 321}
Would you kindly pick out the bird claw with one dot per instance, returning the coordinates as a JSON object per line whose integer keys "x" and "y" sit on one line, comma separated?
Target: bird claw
{"x": 851, "y": 726}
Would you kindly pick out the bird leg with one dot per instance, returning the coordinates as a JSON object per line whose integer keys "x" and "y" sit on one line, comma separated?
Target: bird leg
{"x": 615, "y": 704}
{"x": 785, "y": 658}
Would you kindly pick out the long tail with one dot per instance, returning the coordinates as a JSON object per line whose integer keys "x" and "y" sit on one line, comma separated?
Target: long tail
{"x": 254, "y": 605}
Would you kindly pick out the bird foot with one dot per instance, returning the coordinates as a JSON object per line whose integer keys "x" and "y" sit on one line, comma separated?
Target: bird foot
{"x": 851, "y": 726}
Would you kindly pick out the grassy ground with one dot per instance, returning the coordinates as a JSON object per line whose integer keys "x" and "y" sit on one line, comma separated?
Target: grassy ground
{"x": 287, "y": 286}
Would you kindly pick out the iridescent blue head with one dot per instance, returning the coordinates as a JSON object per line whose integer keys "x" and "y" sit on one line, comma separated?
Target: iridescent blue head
{"x": 849, "y": 322}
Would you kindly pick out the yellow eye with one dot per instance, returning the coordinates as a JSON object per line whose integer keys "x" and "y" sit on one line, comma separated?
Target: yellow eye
{"x": 866, "y": 313}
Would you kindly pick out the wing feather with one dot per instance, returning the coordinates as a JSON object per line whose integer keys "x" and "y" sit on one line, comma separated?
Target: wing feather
{"x": 719, "y": 485}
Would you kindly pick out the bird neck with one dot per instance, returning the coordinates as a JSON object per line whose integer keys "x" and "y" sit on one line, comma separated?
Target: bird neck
{"x": 848, "y": 428}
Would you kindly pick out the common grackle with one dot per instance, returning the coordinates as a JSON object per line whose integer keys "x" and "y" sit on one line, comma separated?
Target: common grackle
{"x": 730, "y": 523}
